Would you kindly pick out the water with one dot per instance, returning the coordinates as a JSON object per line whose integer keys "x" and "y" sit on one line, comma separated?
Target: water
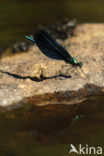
{"x": 49, "y": 130}
{"x": 19, "y": 17}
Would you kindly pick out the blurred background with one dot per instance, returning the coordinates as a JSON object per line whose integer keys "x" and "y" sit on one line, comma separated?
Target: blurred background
{"x": 19, "y": 17}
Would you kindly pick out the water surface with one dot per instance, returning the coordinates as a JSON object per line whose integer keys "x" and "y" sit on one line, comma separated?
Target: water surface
{"x": 51, "y": 129}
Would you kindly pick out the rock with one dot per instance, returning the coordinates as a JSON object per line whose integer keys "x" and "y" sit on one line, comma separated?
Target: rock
{"x": 32, "y": 78}
{"x": 21, "y": 47}
{"x": 64, "y": 29}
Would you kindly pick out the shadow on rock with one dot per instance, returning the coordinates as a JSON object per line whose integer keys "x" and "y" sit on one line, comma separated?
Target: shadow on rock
{"x": 42, "y": 78}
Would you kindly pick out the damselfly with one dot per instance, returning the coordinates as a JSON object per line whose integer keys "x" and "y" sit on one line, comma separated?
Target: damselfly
{"x": 51, "y": 48}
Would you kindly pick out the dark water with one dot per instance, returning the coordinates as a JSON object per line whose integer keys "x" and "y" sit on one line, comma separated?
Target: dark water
{"x": 50, "y": 130}
{"x": 18, "y": 17}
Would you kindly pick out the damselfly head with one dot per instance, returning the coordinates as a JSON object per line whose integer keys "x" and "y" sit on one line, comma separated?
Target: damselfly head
{"x": 80, "y": 64}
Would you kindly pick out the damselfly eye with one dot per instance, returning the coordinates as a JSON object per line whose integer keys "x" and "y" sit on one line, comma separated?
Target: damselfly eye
{"x": 80, "y": 64}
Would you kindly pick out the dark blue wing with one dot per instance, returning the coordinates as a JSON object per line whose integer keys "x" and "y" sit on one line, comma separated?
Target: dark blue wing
{"x": 50, "y": 47}
{"x": 46, "y": 34}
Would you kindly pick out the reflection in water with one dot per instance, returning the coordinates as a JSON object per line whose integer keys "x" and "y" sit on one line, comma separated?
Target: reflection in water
{"x": 19, "y": 17}
{"x": 50, "y": 130}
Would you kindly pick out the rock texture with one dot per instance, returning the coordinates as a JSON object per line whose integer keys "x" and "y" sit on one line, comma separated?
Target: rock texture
{"x": 33, "y": 78}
